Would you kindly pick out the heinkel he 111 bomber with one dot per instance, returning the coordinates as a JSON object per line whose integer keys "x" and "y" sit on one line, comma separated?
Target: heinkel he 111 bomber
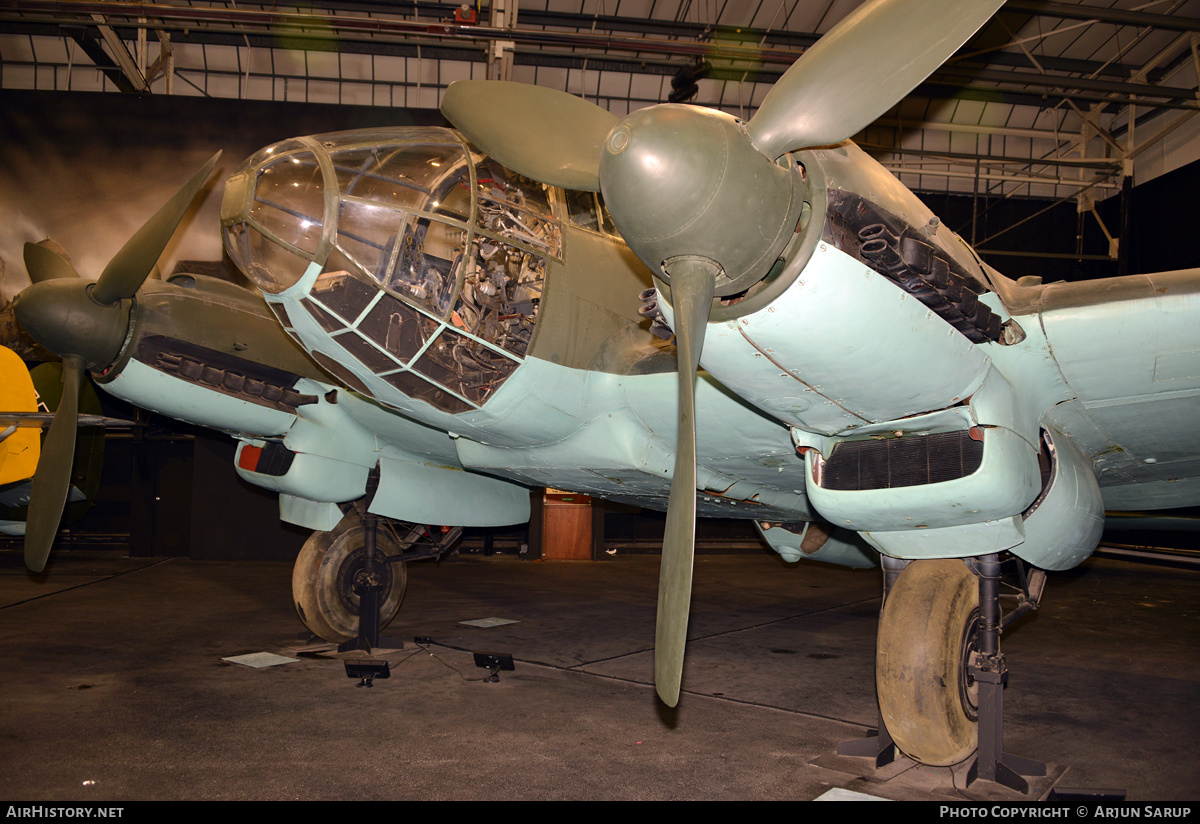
{"x": 515, "y": 302}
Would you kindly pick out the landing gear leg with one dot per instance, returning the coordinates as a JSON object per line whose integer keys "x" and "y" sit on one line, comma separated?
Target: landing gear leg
{"x": 371, "y": 584}
{"x": 325, "y": 579}
{"x": 940, "y": 674}
{"x": 346, "y": 586}
{"x": 990, "y": 673}
{"x": 338, "y": 574}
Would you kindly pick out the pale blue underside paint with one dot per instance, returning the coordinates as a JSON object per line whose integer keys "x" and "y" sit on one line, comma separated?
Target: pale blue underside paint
{"x": 314, "y": 477}
{"x": 949, "y": 541}
{"x": 1006, "y": 482}
{"x": 426, "y": 493}
{"x": 159, "y": 392}
{"x": 841, "y": 348}
{"x": 747, "y": 465}
{"x": 1134, "y": 367}
{"x": 318, "y": 516}
{"x": 841, "y": 548}
{"x": 1067, "y": 523}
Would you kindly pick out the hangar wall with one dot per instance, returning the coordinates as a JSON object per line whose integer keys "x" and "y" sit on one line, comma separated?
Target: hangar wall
{"x": 87, "y": 168}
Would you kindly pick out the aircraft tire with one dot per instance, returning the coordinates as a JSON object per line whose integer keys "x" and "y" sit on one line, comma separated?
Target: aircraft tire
{"x": 926, "y": 634}
{"x": 323, "y": 578}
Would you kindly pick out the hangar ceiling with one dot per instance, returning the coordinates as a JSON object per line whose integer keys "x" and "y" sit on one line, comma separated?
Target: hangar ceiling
{"x": 1054, "y": 100}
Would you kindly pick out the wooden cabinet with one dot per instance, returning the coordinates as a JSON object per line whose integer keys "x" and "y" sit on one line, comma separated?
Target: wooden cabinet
{"x": 567, "y": 533}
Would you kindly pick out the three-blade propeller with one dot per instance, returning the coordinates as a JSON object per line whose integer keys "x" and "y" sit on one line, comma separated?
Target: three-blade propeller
{"x": 43, "y": 263}
{"x": 702, "y": 202}
{"x": 85, "y": 324}
{"x": 692, "y": 290}
{"x": 52, "y": 481}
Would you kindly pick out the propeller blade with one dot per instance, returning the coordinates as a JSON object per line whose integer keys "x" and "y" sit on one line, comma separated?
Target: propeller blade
{"x": 48, "y": 495}
{"x": 130, "y": 267}
{"x": 43, "y": 263}
{"x": 547, "y": 135}
{"x": 693, "y": 281}
{"x": 861, "y": 68}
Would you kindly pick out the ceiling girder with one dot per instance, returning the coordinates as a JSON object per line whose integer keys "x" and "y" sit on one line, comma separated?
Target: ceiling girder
{"x": 1103, "y": 164}
{"x": 120, "y": 54}
{"x": 94, "y": 49}
{"x": 1121, "y": 17}
{"x": 1054, "y": 81}
{"x": 989, "y": 70}
{"x": 943, "y": 83}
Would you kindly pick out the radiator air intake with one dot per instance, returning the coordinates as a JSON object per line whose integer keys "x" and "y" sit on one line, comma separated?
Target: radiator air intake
{"x": 890, "y": 463}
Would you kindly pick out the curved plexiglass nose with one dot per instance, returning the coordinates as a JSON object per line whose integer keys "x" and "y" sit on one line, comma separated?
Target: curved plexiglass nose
{"x": 273, "y": 214}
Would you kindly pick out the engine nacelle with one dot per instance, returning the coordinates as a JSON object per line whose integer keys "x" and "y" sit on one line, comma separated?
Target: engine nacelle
{"x": 842, "y": 348}
{"x": 872, "y": 313}
{"x": 1063, "y": 526}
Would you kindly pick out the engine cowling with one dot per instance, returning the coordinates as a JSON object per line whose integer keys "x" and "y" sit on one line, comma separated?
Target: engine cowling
{"x": 872, "y": 312}
{"x": 1063, "y": 526}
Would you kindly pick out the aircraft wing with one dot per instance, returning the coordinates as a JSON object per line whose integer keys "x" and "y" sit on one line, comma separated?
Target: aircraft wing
{"x": 40, "y": 420}
{"x": 1129, "y": 349}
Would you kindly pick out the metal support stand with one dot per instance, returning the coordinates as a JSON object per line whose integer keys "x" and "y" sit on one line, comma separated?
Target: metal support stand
{"x": 991, "y": 674}
{"x": 369, "y": 582}
{"x": 878, "y": 744}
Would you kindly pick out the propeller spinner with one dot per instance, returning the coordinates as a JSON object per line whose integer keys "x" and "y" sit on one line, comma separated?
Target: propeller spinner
{"x": 85, "y": 323}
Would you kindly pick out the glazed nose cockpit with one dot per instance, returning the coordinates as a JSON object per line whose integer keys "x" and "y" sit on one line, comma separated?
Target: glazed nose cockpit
{"x": 411, "y": 251}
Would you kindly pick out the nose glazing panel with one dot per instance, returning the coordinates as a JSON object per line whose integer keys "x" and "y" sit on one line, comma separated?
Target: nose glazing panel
{"x": 432, "y": 257}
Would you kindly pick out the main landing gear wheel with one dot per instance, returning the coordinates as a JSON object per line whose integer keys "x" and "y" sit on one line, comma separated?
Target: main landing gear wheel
{"x": 323, "y": 581}
{"x": 927, "y": 634}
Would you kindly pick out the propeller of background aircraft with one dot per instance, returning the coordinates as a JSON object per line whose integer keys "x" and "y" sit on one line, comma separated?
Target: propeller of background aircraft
{"x": 85, "y": 323}
{"x": 699, "y": 197}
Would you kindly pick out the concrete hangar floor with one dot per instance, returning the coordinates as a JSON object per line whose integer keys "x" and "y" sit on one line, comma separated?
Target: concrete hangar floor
{"x": 113, "y": 685}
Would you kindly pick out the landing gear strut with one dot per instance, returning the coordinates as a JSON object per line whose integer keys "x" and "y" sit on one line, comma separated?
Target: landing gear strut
{"x": 940, "y": 674}
{"x": 991, "y": 674}
{"x": 348, "y": 584}
{"x": 330, "y": 575}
